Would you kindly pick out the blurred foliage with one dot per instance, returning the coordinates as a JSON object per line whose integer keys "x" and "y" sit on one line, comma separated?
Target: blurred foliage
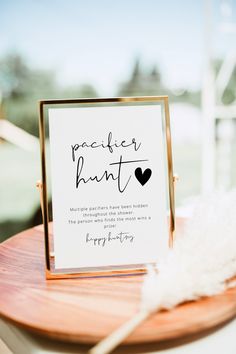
{"x": 149, "y": 83}
{"x": 229, "y": 94}
{"x": 21, "y": 88}
{"x": 18, "y": 81}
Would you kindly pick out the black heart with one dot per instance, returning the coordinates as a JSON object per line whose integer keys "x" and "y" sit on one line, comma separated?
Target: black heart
{"x": 143, "y": 177}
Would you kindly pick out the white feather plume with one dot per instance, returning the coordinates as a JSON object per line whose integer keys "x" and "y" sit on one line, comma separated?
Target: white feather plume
{"x": 202, "y": 259}
{"x": 201, "y": 264}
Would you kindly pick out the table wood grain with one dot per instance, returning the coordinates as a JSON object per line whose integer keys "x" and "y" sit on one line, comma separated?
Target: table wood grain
{"x": 86, "y": 310}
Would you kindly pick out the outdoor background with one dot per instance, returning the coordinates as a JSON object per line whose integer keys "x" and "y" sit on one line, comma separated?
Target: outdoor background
{"x": 73, "y": 48}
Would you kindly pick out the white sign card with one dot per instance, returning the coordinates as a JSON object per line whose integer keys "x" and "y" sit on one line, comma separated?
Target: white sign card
{"x": 109, "y": 185}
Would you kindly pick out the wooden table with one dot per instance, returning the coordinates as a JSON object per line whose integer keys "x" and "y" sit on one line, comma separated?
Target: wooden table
{"x": 20, "y": 341}
{"x": 83, "y": 311}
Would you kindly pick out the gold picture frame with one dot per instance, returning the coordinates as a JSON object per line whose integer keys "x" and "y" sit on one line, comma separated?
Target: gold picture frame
{"x": 44, "y": 105}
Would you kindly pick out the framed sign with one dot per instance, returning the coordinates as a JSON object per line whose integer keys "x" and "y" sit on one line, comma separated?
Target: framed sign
{"x": 108, "y": 166}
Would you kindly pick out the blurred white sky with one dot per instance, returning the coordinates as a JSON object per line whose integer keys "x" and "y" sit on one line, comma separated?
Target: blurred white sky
{"x": 97, "y": 41}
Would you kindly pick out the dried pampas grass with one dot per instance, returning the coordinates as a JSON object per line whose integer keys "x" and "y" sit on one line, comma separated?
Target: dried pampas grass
{"x": 201, "y": 264}
{"x": 203, "y": 258}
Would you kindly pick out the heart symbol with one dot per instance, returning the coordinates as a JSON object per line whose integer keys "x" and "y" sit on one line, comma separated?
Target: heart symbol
{"x": 143, "y": 177}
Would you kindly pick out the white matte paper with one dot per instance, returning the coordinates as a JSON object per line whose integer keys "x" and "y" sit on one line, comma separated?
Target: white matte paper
{"x": 108, "y": 185}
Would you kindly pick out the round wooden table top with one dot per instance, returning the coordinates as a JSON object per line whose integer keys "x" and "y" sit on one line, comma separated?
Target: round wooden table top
{"x": 86, "y": 310}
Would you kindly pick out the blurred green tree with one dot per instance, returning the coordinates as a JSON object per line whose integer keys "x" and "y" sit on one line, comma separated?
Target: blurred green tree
{"x": 21, "y": 88}
{"x": 229, "y": 94}
{"x": 14, "y": 76}
{"x": 149, "y": 82}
